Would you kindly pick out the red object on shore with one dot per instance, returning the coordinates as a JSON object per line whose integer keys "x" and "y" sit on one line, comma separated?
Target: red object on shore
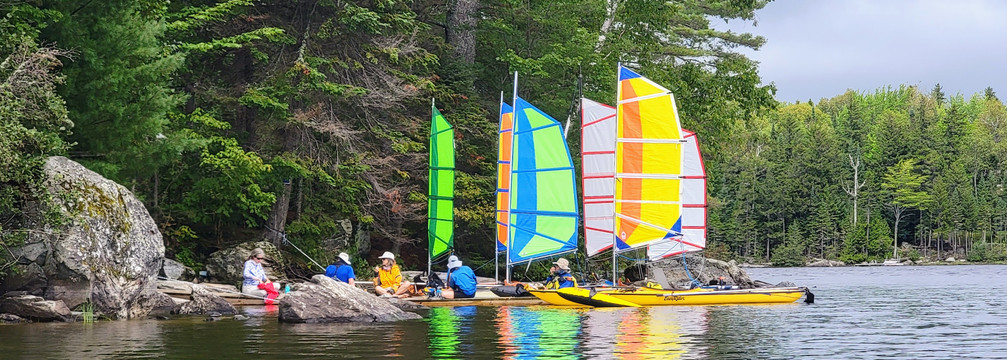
{"x": 271, "y": 292}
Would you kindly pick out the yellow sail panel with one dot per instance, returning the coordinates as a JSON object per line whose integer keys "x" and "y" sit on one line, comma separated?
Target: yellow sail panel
{"x": 648, "y": 155}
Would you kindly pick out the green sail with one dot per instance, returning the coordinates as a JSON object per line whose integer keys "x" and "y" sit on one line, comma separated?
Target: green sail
{"x": 440, "y": 202}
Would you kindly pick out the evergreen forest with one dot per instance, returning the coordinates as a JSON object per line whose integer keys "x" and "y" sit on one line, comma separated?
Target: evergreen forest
{"x": 240, "y": 120}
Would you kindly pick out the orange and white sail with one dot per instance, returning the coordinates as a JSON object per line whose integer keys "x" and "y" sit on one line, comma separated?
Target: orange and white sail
{"x": 649, "y": 169}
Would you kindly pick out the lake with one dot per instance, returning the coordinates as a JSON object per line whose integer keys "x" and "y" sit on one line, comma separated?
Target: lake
{"x": 901, "y": 312}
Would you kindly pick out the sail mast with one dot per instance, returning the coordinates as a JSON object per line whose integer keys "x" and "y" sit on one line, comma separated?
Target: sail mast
{"x": 514, "y": 103}
{"x": 496, "y": 215}
{"x": 615, "y": 167}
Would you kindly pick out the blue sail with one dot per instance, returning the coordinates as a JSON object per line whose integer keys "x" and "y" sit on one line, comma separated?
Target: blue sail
{"x": 543, "y": 193}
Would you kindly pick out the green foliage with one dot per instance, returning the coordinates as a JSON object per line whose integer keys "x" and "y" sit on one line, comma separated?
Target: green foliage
{"x": 33, "y": 120}
{"x": 790, "y": 254}
{"x": 868, "y": 242}
{"x": 117, "y": 92}
{"x": 228, "y": 185}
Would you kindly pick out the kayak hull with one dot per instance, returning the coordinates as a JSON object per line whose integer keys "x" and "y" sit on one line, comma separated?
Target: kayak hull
{"x": 701, "y": 296}
{"x": 552, "y": 297}
{"x": 592, "y": 297}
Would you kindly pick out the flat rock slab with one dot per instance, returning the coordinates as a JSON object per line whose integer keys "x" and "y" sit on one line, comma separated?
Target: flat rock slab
{"x": 34, "y": 308}
{"x": 205, "y": 302}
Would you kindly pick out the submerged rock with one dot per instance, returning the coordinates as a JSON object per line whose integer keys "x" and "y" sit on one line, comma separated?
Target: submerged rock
{"x": 107, "y": 250}
{"x": 205, "y": 302}
{"x": 35, "y": 308}
{"x": 11, "y": 319}
{"x": 405, "y": 305}
{"x": 327, "y": 300}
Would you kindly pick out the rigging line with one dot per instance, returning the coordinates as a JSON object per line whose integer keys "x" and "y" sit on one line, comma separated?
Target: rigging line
{"x": 689, "y": 274}
{"x": 286, "y": 241}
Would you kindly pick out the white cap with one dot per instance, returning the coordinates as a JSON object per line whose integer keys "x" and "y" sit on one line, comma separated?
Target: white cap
{"x": 345, "y": 257}
{"x": 453, "y": 262}
{"x": 387, "y": 255}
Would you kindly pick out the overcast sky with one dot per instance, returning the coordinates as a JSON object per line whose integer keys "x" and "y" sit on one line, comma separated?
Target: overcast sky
{"x": 818, "y": 49}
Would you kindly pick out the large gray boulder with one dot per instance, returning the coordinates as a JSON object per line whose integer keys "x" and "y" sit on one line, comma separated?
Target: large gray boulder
{"x": 107, "y": 249}
{"x": 225, "y": 266}
{"x": 326, "y": 300}
{"x": 34, "y": 308}
{"x": 205, "y": 302}
{"x": 701, "y": 269}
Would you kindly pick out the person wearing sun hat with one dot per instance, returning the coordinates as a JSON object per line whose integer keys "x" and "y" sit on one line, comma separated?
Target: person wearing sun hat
{"x": 561, "y": 277}
{"x": 461, "y": 280}
{"x": 255, "y": 282}
{"x": 389, "y": 281}
{"x": 341, "y": 270}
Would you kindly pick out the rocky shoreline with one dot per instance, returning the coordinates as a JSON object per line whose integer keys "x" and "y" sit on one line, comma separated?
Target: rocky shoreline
{"x": 105, "y": 260}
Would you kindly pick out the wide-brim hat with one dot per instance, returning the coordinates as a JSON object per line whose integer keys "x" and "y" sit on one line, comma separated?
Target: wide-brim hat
{"x": 563, "y": 264}
{"x": 453, "y": 262}
{"x": 387, "y": 255}
{"x": 345, "y": 258}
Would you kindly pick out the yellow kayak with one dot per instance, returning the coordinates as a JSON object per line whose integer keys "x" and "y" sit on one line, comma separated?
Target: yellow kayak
{"x": 644, "y": 296}
{"x": 552, "y": 297}
{"x": 592, "y": 297}
{"x": 707, "y": 296}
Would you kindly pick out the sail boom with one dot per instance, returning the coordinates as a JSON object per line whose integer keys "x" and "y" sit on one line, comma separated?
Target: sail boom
{"x": 522, "y": 261}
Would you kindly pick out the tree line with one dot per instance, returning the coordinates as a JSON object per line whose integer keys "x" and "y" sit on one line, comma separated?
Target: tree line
{"x": 853, "y": 176}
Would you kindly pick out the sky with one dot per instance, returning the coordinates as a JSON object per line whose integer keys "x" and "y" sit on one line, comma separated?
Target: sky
{"x": 820, "y": 48}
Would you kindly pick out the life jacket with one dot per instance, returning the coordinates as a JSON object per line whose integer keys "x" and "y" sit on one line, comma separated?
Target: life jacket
{"x": 560, "y": 280}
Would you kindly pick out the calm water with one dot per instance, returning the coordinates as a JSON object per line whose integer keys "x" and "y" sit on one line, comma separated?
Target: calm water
{"x": 906, "y": 312}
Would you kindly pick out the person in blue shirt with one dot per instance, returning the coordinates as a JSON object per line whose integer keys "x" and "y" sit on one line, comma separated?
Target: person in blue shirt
{"x": 341, "y": 270}
{"x": 461, "y": 280}
{"x": 561, "y": 277}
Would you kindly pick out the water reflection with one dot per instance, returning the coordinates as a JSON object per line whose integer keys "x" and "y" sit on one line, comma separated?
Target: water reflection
{"x": 646, "y": 333}
{"x": 538, "y": 332}
{"x": 860, "y": 313}
{"x": 448, "y": 326}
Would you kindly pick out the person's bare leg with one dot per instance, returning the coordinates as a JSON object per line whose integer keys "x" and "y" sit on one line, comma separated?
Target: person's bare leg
{"x": 380, "y": 290}
{"x": 448, "y": 293}
{"x": 403, "y": 290}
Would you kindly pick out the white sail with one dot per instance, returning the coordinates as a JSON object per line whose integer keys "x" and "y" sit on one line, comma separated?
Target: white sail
{"x": 693, "y": 195}
{"x": 598, "y": 153}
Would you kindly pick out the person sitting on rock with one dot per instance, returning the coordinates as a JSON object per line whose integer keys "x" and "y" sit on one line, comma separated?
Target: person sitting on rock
{"x": 560, "y": 276}
{"x": 461, "y": 281}
{"x": 341, "y": 270}
{"x": 388, "y": 279}
{"x": 256, "y": 283}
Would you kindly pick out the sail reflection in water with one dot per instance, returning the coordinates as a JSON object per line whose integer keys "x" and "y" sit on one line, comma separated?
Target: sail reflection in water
{"x": 539, "y": 332}
{"x": 448, "y": 326}
{"x": 652, "y": 332}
